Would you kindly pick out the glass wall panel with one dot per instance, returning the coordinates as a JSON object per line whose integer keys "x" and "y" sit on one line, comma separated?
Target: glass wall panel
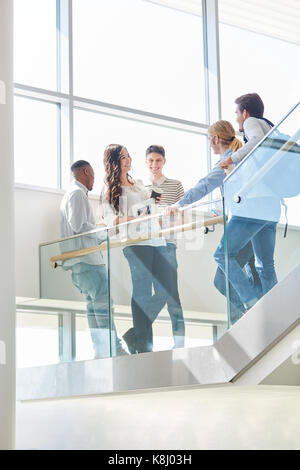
{"x": 35, "y": 43}
{"x": 36, "y": 142}
{"x": 185, "y": 152}
{"x": 140, "y": 55}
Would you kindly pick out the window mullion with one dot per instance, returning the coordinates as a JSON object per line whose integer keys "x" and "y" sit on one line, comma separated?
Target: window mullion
{"x": 65, "y": 85}
{"x": 211, "y": 65}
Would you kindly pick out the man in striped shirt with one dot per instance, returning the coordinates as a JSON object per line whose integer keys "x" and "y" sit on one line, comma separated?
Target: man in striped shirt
{"x": 172, "y": 191}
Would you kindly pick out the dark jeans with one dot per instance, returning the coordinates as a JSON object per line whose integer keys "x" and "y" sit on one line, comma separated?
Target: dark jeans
{"x": 167, "y": 293}
{"x": 246, "y": 259}
{"x": 151, "y": 266}
{"x": 262, "y": 235}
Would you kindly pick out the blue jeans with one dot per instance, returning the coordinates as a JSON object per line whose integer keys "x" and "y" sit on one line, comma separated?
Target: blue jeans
{"x": 150, "y": 266}
{"x": 140, "y": 259}
{"x": 245, "y": 258}
{"x": 91, "y": 281}
{"x": 262, "y": 234}
{"x": 166, "y": 292}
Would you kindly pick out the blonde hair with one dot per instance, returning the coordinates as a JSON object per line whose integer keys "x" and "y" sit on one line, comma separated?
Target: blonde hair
{"x": 225, "y": 131}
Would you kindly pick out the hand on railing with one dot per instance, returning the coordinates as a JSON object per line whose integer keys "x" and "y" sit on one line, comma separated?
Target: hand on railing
{"x": 224, "y": 164}
{"x": 171, "y": 210}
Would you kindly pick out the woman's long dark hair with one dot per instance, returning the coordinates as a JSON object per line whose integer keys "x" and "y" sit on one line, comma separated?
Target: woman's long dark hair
{"x": 112, "y": 166}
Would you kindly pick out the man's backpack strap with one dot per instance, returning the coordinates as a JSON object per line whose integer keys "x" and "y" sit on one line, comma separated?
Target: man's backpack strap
{"x": 264, "y": 119}
{"x": 268, "y": 122}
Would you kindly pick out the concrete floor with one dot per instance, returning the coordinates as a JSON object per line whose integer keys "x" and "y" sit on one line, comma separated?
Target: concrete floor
{"x": 222, "y": 417}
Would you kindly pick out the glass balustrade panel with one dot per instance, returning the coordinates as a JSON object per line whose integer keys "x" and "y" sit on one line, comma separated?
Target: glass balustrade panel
{"x": 162, "y": 275}
{"x": 262, "y": 203}
{"x": 148, "y": 285}
{"x": 74, "y": 282}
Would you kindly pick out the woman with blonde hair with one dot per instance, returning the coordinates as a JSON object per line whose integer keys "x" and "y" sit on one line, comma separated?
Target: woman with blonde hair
{"x": 223, "y": 141}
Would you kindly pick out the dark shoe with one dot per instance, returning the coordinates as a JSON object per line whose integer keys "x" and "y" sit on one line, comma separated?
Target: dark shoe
{"x": 130, "y": 340}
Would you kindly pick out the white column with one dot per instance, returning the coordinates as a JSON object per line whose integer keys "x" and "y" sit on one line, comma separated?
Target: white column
{"x": 7, "y": 288}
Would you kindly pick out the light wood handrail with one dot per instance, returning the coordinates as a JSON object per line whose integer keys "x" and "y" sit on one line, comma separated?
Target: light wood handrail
{"x": 129, "y": 241}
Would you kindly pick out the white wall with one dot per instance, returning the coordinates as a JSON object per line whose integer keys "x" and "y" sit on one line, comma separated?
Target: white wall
{"x": 36, "y": 221}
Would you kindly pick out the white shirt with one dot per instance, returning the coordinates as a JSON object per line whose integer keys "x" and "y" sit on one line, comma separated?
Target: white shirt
{"x": 254, "y": 129}
{"x": 76, "y": 216}
{"x": 132, "y": 199}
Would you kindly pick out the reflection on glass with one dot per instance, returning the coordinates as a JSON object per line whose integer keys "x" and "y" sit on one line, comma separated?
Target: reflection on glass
{"x": 154, "y": 63}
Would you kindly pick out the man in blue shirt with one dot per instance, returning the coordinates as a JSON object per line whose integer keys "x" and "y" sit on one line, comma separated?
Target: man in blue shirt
{"x": 245, "y": 258}
{"x": 224, "y": 144}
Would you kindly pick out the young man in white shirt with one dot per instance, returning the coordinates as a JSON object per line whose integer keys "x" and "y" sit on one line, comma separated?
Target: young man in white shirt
{"x": 249, "y": 115}
{"x": 241, "y": 230}
{"x": 89, "y": 274}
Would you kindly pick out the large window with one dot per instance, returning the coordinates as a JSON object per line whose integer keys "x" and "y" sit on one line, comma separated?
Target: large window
{"x": 185, "y": 151}
{"x": 36, "y": 140}
{"x": 140, "y": 55}
{"x": 35, "y": 43}
{"x": 88, "y": 73}
{"x": 259, "y": 51}
{"x": 143, "y": 71}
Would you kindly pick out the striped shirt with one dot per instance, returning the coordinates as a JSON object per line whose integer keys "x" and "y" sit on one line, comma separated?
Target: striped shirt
{"x": 172, "y": 190}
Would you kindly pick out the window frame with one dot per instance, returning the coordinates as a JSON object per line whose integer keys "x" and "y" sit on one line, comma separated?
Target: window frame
{"x": 67, "y": 102}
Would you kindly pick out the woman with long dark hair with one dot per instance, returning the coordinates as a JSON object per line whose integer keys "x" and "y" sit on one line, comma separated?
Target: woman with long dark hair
{"x": 124, "y": 199}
